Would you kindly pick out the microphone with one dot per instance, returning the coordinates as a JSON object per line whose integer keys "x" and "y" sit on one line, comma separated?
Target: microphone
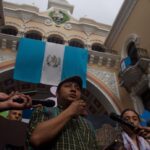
{"x": 47, "y": 103}
{"x": 117, "y": 118}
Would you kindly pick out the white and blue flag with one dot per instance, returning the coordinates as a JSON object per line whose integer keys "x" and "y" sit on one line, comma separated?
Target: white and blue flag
{"x": 49, "y": 63}
{"x": 125, "y": 63}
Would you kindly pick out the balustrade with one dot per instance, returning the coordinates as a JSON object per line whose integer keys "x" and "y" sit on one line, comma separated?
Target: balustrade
{"x": 99, "y": 58}
{"x": 104, "y": 59}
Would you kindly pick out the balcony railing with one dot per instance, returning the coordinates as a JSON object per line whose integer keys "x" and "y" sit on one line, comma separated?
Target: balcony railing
{"x": 8, "y": 41}
{"x": 133, "y": 74}
{"x": 105, "y": 59}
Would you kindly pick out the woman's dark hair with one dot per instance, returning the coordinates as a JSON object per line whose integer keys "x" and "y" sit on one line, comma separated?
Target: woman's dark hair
{"x": 129, "y": 109}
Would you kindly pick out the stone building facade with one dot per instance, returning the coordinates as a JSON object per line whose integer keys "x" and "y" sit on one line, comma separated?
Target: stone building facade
{"x": 56, "y": 24}
{"x": 112, "y": 85}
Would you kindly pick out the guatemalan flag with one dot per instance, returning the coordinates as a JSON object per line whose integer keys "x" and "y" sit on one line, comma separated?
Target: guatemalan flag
{"x": 49, "y": 63}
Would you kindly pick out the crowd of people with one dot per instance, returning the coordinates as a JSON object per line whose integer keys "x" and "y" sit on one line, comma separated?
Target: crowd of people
{"x": 65, "y": 127}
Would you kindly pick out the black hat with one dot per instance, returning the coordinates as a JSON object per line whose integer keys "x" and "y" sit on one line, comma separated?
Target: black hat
{"x": 75, "y": 79}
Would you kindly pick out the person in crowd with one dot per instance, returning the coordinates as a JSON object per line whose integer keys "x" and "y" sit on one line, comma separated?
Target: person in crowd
{"x": 7, "y": 101}
{"x": 15, "y": 115}
{"x": 134, "y": 139}
{"x": 63, "y": 127}
{"x": 130, "y": 139}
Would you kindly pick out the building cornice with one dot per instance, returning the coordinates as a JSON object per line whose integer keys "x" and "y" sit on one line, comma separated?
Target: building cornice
{"x": 26, "y": 16}
{"x": 89, "y": 29}
{"x": 20, "y": 6}
{"x": 120, "y": 22}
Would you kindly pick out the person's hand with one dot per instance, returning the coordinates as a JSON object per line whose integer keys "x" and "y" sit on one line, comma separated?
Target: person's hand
{"x": 10, "y": 102}
{"x": 7, "y": 101}
{"x": 3, "y": 96}
{"x": 77, "y": 108}
{"x": 145, "y": 132}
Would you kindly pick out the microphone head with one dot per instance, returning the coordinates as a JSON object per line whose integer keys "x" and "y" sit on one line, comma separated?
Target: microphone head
{"x": 47, "y": 103}
{"x": 115, "y": 117}
{"x": 122, "y": 121}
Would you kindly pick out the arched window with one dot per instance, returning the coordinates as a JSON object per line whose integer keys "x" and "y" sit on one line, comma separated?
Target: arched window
{"x": 132, "y": 53}
{"x": 34, "y": 35}
{"x": 76, "y": 43}
{"x": 9, "y": 30}
{"x": 98, "y": 47}
{"x": 55, "y": 39}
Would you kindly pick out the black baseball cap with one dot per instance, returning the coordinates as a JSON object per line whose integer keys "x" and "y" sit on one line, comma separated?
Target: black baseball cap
{"x": 76, "y": 79}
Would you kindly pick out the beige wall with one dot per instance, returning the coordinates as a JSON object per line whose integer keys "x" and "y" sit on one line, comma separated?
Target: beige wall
{"x": 137, "y": 23}
{"x": 53, "y": 29}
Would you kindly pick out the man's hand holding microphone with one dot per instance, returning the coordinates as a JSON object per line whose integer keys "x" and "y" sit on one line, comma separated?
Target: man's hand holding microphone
{"x": 77, "y": 108}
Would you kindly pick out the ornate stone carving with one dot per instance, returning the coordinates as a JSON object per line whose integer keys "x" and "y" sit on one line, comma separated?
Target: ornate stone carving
{"x": 22, "y": 28}
{"x": 48, "y": 22}
{"x": 26, "y": 16}
{"x": 108, "y": 78}
{"x": 58, "y": 16}
{"x": 68, "y": 26}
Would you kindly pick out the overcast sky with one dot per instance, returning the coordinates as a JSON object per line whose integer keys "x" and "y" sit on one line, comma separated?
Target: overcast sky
{"x": 103, "y": 11}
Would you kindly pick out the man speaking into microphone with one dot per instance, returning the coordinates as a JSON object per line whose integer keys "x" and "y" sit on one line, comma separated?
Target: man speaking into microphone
{"x": 63, "y": 127}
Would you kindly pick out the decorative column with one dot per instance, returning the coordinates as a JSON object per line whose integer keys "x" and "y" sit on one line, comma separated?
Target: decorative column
{"x": 109, "y": 62}
{"x": 91, "y": 61}
{"x": 22, "y": 30}
{"x": 4, "y": 43}
{"x": 100, "y": 61}
{"x": 14, "y": 45}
